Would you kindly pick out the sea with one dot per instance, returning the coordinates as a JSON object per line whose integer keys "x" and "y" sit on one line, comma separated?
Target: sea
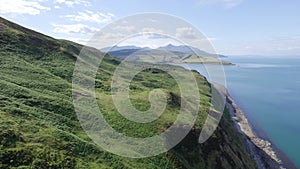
{"x": 267, "y": 89}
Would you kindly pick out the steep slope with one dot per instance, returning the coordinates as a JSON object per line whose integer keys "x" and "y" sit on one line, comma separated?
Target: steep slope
{"x": 39, "y": 127}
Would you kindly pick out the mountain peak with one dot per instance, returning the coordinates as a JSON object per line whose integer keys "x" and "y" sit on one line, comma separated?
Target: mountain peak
{"x": 170, "y": 45}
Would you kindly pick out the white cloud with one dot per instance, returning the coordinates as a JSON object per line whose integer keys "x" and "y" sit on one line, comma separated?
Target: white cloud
{"x": 75, "y": 28}
{"x": 31, "y": 7}
{"x": 70, "y": 3}
{"x": 152, "y": 30}
{"x": 225, "y": 3}
{"x": 190, "y": 33}
{"x": 110, "y": 36}
{"x": 154, "y": 33}
{"x": 129, "y": 29}
{"x": 186, "y": 33}
{"x": 91, "y": 17}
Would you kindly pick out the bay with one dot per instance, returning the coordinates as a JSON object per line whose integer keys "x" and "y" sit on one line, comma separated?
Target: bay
{"x": 267, "y": 89}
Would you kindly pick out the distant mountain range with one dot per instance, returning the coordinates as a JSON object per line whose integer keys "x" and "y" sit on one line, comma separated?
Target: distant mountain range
{"x": 165, "y": 54}
{"x": 181, "y": 48}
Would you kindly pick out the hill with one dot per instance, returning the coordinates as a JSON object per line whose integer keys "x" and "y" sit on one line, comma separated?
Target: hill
{"x": 40, "y": 129}
{"x": 189, "y": 50}
{"x": 166, "y": 54}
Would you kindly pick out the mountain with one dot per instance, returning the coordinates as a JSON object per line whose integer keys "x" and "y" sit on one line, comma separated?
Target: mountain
{"x": 165, "y": 54}
{"x": 40, "y": 129}
{"x": 117, "y": 48}
{"x": 188, "y": 50}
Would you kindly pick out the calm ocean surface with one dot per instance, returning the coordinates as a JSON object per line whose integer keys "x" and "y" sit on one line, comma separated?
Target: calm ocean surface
{"x": 268, "y": 91}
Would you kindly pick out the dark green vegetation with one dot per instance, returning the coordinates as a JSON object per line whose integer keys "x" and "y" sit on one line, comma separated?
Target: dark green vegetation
{"x": 39, "y": 128}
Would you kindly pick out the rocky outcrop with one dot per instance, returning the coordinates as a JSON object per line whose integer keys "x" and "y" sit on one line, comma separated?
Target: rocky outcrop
{"x": 261, "y": 149}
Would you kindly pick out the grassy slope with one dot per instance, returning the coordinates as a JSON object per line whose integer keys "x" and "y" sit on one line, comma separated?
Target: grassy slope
{"x": 39, "y": 128}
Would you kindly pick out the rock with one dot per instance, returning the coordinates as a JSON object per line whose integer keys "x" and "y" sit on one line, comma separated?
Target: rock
{"x": 260, "y": 149}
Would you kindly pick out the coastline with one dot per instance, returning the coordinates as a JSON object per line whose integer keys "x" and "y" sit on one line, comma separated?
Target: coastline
{"x": 264, "y": 153}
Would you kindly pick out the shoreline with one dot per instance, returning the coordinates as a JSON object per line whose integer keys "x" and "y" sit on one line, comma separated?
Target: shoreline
{"x": 263, "y": 151}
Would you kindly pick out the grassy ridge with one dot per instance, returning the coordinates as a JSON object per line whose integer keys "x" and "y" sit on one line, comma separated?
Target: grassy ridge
{"x": 39, "y": 127}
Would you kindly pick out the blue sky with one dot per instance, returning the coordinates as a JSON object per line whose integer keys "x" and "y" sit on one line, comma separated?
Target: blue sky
{"x": 235, "y": 27}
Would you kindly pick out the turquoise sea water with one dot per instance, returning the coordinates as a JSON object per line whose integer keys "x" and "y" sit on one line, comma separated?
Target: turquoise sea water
{"x": 268, "y": 91}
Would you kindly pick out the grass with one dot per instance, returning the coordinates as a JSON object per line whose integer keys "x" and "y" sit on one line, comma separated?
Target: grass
{"x": 39, "y": 127}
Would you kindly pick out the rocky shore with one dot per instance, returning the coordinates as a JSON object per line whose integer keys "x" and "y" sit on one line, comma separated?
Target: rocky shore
{"x": 260, "y": 149}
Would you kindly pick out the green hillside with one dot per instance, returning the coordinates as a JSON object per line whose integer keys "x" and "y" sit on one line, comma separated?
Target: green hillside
{"x": 39, "y": 127}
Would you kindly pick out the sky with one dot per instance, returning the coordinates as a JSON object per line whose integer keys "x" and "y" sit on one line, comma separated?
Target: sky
{"x": 234, "y": 27}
